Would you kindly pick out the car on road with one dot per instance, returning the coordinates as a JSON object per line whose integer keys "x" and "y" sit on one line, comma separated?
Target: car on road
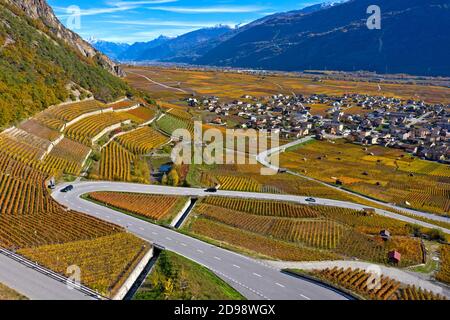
{"x": 212, "y": 190}
{"x": 310, "y": 200}
{"x": 67, "y": 189}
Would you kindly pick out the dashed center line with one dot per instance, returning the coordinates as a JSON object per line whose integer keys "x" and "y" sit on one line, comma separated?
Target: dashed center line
{"x": 303, "y": 296}
{"x": 170, "y": 239}
{"x": 258, "y": 275}
{"x": 279, "y": 284}
{"x": 155, "y": 233}
{"x": 217, "y": 258}
{"x": 198, "y": 250}
{"x": 184, "y": 244}
{"x": 236, "y": 266}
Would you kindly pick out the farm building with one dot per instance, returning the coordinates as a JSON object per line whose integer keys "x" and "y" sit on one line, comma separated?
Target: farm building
{"x": 394, "y": 257}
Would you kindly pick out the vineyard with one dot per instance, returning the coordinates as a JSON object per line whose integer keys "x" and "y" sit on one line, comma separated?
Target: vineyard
{"x": 22, "y": 146}
{"x": 140, "y": 115}
{"x": 365, "y": 285}
{"x": 70, "y": 112}
{"x": 444, "y": 271}
{"x": 115, "y": 163}
{"x": 340, "y": 232}
{"x": 169, "y": 123}
{"x": 36, "y": 226}
{"x": 67, "y": 156}
{"x": 124, "y": 104}
{"x": 37, "y": 129}
{"x": 105, "y": 263}
{"x": 56, "y": 117}
{"x": 386, "y": 174}
{"x": 155, "y": 207}
{"x": 142, "y": 141}
{"x": 86, "y": 129}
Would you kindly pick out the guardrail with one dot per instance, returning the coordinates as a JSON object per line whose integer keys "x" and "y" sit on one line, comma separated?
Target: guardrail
{"x": 51, "y": 274}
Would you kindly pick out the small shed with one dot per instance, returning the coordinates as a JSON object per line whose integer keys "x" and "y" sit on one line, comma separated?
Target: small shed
{"x": 385, "y": 234}
{"x": 394, "y": 257}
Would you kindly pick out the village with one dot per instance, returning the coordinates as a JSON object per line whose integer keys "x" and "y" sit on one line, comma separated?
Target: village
{"x": 416, "y": 127}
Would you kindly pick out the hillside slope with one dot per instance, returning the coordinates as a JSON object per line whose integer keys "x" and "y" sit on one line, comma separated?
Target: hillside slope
{"x": 413, "y": 39}
{"x": 39, "y": 60}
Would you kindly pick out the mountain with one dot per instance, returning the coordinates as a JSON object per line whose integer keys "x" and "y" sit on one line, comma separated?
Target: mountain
{"x": 185, "y": 48}
{"x": 135, "y": 51}
{"x": 110, "y": 49}
{"x": 413, "y": 39}
{"x": 41, "y": 60}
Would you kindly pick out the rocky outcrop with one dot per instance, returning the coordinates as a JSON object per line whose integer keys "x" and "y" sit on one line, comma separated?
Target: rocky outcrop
{"x": 40, "y": 10}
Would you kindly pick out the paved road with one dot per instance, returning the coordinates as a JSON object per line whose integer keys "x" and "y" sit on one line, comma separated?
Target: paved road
{"x": 34, "y": 284}
{"x": 250, "y": 277}
{"x": 263, "y": 157}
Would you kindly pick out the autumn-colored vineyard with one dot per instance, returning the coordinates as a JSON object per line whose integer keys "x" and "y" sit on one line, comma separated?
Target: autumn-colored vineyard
{"x": 155, "y": 207}
{"x": 336, "y": 231}
{"x": 386, "y": 174}
{"x": 142, "y": 141}
{"x": 105, "y": 263}
{"x": 367, "y": 286}
{"x": 116, "y": 163}
{"x": 444, "y": 269}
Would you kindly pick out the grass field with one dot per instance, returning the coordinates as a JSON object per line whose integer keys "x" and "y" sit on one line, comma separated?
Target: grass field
{"x": 7, "y": 293}
{"x": 177, "y": 278}
{"x": 382, "y": 173}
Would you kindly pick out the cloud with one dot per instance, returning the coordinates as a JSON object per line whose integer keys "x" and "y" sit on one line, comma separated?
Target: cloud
{"x": 113, "y": 7}
{"x": 171, "y": 23}
{"x": 211, "y": 9}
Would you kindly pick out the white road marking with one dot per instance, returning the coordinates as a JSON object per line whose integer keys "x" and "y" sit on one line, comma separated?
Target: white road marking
{"x": 236, "y": 266}
{"x": 307, "y": 298}
{"x": 142, "y": 228}
{"x": 279, "y": 284}
{"x": 198, "y": 250}
{"x": 217, "y": 258}
{"x": 155, "y": 233}
{"x": 184, "y": 244}
{"x": 170, "y": 239}
{"x": 258, "y": 275}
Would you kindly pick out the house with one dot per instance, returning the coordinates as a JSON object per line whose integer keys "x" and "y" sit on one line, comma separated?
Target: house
{"x": 394, "y": 257}
{"x": 385, "y": 234}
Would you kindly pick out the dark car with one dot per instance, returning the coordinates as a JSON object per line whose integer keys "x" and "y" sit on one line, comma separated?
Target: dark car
{"x": 211, "y": 189}
{"x": 67, "y": 189}
{"x": 310, "y": 200}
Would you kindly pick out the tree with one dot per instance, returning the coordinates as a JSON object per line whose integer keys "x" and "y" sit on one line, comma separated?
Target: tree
{"x": 173, "y": 178}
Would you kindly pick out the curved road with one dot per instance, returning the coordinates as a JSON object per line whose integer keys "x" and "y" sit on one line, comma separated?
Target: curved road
{"x": 252, "y": 278}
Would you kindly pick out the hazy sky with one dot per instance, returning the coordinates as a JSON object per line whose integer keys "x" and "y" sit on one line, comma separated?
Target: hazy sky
{"x": 143, "y": 20}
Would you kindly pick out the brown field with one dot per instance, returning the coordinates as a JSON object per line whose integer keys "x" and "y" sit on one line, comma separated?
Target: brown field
{"x": 233, "y": 85}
